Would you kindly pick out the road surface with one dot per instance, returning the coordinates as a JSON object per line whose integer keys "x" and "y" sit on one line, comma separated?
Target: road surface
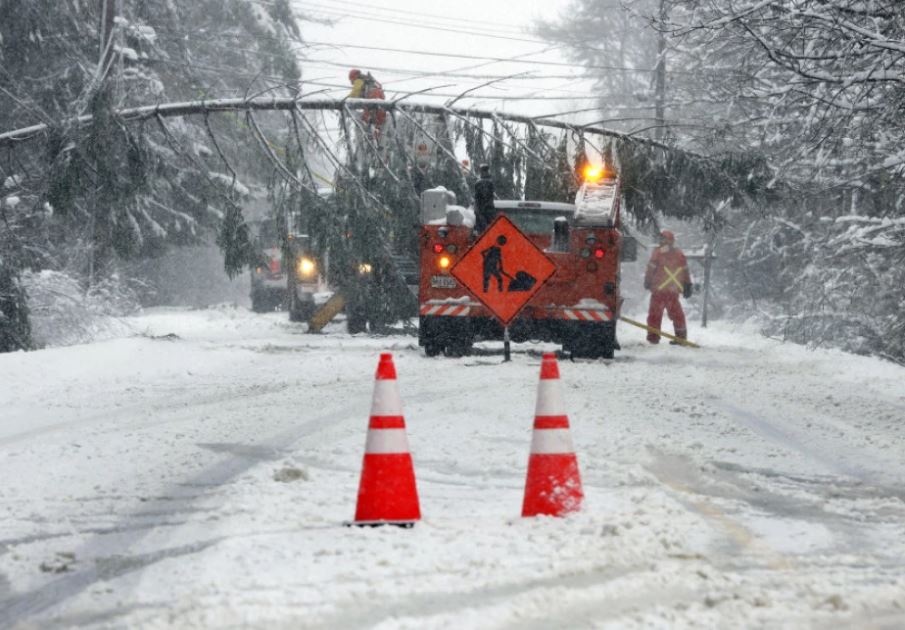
{"x": 197, "y": 474}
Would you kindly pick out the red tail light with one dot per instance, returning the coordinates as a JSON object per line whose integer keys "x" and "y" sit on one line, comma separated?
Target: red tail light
{"x": 274, "y": 266}
{"x": 438, "y": 248}
{"x": 598, "y": 253}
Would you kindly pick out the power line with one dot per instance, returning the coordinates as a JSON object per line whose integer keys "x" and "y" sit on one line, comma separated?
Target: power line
{"x": 340, "y": 87}
{"x": 197, "y": 36}
{"x": 230, "y": 71}
{"x": 508, "y": 85}
{"x": 410, "y": 74}
{"x": 597, "y": 109}
{"x": 486, "y": 97}
{"x": 442, "y": 73}
{"x": 490, "y": 97}
{"x": 213, "y": 37}
{"x": 212, "y": 41}
{"x": 414, "y": 74}
{"x": 307, "y": 61}
{"x": 485, "y": 25}
{"x": 353, "y": 16}
{"x": 427, "y": 53}
{"x": 345, "y": 13}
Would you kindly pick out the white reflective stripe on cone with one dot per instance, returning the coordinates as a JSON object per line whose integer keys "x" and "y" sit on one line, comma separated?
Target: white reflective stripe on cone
{"x": 549, "y": 398}
{"x": 386, "y": 400}
{"x": 551, "y": 442}
{"x": 386, "y": 441}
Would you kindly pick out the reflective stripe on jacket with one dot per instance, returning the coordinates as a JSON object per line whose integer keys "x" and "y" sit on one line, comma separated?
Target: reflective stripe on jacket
{"x": 667, "y": 270}
{"x": 358, "y": 88}
{"x": 364, "y": 88}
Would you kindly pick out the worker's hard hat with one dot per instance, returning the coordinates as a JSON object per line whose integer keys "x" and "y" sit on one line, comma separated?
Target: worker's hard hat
{"x": 667, "y": 236}
{"x": 484, "y": 168}
{"x": 354, "y": 73}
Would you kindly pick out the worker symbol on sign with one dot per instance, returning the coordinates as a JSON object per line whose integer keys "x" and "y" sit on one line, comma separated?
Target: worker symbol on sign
{"x": 493, "y": 268}
{"x": 500, "y": 249}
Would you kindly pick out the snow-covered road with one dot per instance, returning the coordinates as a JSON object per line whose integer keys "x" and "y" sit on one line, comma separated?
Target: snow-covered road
{"x": 198, "y": 474}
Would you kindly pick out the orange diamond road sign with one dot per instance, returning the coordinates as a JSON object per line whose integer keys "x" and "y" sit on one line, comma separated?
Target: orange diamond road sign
{"x": 503, "y": 269}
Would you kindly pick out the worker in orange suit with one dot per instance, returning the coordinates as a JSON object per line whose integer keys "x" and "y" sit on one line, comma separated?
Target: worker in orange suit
{"x": 366, "y": 86}
{"x": 667, "y": 278}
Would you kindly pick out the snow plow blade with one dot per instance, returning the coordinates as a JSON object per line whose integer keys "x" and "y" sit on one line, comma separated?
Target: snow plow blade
{"x": 326, "y": 313}
{"x": 678, "y": 340}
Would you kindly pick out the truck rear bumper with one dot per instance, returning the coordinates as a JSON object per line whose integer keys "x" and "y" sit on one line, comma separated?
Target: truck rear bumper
{"x": 468, "y": 308}
{"x": 305, "y": 291}
{"x": 522, "y": 329}
{"x": 271, "y": 284}
{"x": 451, "y": 308}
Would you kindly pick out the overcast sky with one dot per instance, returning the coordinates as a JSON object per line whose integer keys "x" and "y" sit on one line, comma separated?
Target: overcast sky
{"x": 443, "y": 29}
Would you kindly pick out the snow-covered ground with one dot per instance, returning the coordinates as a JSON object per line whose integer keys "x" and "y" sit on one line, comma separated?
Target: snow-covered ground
{"x": 198, "y": 473}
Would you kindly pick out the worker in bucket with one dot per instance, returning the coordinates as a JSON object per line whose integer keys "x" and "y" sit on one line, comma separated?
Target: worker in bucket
{"x": 483, "y": 200}
{"x": 366, "y": 86}
{"x": 666, "y": 278}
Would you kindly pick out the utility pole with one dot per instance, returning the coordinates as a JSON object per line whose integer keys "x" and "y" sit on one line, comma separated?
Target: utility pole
{"x": 660, "y": 76}
{"x": 107, "y": 19}
{"x": 708, "y": 262}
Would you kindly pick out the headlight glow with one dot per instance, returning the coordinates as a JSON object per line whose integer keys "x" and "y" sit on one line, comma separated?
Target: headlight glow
{"x": 306, "y": 267}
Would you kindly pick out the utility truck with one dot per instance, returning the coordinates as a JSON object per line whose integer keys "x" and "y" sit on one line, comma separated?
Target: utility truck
{"x": 577, "y": 307}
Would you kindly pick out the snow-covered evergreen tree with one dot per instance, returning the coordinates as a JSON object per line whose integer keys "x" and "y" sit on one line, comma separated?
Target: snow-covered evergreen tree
{"x": 805, "y": 97}
{"x": 90, "y": 196}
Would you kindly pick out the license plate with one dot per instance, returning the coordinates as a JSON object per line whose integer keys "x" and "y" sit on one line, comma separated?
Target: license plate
{"x": 443, "y": 282}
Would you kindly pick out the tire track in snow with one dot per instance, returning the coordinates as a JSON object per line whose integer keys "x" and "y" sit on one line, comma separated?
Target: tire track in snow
{"x": 684, "y": 479}
{"x": 411, "y": 608}
{"x": 788, "y": 439}
{"x": 20, "y": 607}
{"x": 192, "y": 399}
{"x": 697, "y": 488}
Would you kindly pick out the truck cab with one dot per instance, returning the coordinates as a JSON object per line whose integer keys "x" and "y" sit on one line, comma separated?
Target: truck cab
{"x": 303, "y": 278}
{"x": 268, "y": 276}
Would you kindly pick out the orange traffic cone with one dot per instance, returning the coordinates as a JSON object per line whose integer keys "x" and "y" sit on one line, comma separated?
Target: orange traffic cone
{"x": 387, "y": 492}
{"x": 553, "y": 485}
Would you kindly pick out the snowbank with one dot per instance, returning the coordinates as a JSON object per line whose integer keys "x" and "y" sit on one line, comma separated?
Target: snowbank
{"x": 62, "y": 313}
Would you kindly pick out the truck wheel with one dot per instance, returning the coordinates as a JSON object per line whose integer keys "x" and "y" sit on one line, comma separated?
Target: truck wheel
{"x": 300, "y": 311}
{"x": 583, "y": 349}
{"x": 577, "y": 343}
{"x": 376, "y": 323}
{"x": 258, "y": 302}
{"x": 430, "y": 335}
{"x": 607, "y": 341}
{"x": 591, "y": 341}
{"x": 608, "y": 347}
{"x": 356, "y": 322}
{"x": 459, "y": 348}
{"x": 460, "y": 338}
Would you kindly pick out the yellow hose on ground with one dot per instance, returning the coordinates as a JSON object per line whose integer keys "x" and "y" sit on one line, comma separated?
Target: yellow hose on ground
{"x": 678, "y": 340}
